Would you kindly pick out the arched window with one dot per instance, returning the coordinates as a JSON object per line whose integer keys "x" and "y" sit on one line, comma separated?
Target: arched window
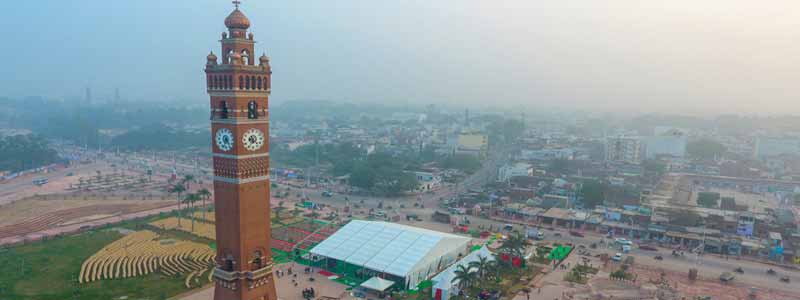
{"x": 253, "y": 80}
{"x": 209, "y": 82}
{"x": 247, "y": 83}
{"x": 266, "y": 82}
{"x": 258, "y": 262}
{"x": 230, "y": 82}
{"x": 229, "y": 262}
{"x": 241, "y": 83}
{"x": 259, "y": 83}
{"x": 252, "y": 110}
{"x": 245, "y": 57}
{"x": 228, "y": 57}
{"x": 223, "y": 109}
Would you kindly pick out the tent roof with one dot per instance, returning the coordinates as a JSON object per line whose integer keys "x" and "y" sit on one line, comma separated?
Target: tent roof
{"x": 444, "y": 279}
{"x": 377, "y": 284}
{"x": 386, "y": 247}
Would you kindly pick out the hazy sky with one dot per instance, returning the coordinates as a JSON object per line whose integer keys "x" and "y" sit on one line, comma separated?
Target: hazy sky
{"x": 678, "y": 56}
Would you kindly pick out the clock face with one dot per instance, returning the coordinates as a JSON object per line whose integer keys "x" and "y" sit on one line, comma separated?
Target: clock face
{"x": 224, "y": 139}
{"x": 253, "y": 139}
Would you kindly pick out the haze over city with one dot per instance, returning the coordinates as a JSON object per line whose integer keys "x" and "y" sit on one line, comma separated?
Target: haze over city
{"x": 689, "y": 57}
{"x": 403, "y": 150}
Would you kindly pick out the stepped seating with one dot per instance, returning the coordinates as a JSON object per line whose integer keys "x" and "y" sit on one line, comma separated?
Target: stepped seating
{"x": 141, "y": 253}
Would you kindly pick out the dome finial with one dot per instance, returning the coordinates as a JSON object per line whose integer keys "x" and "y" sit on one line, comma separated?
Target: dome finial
{"x": 237, "y": 19}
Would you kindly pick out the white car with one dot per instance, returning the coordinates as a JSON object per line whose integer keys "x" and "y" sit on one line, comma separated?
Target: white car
{"x": 623, "y": 241}
{"x": 617, "y": 257}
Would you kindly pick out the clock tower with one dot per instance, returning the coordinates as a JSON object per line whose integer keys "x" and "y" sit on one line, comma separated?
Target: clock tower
{"x": 239, "y": 86}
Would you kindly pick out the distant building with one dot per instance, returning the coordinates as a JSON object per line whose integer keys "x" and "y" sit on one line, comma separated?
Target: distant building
{"x": 428, "y": 181}
{"x": 671, "y": 143}
{"x": 547, "y": 154}
{"x": 625, "y": 149}
{"x": 768, "y": 146}
{"x": 473, "y": 143}
{"x": 506, "y": 172}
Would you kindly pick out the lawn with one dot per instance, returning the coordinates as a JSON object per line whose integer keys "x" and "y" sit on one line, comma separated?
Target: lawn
{"x": 48, "y": 271}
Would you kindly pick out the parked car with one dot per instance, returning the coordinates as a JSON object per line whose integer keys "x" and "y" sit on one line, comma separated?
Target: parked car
{"x": 576, "y": 233}
{"x": 617, "y": 257}
{"x": 623, "y": 241}
{"x": 327, "y": 194}
{"x": 648, "y": 247}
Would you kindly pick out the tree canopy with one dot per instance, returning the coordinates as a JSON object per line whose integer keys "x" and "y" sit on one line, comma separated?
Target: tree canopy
{"x": 592, "y": 193}
{"x": 705, "y": 149}
{"x": 21, "y": 152}
{"x": 381, "y": 173}
{"x": 160, "y": 137}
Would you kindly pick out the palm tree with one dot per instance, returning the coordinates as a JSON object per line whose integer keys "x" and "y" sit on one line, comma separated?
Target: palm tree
{"x": 186, "y": 179}
{"x": 464, "y": 278}
{"x": 481, "y": 265}
{"x": 204, "y": 195}
{"x": 178, "y": 189}
{"x": 278, "y": 210}
{"x": 515, "y": 245}
{"x": 191, "y": 198}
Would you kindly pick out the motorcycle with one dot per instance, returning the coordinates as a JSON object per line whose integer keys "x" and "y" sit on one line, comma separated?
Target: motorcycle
{"x": 771, "y": 272}
{"x": 658, "y": 257}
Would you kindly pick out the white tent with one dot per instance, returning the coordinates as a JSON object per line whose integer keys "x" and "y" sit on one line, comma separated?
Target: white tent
{"x": 377, "y": 284}
{"x": 404, "y": 251}
{"x": 443, "y": 285}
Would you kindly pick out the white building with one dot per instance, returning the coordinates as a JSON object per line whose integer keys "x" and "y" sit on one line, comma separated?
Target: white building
{"x": 404, "y": 254}
{"x": 625, "y": 149}
{"x": 670, "y": 143}
{"x": 547, "y": 154}
{"x": 507, "y": 171}
{"x": 443, "y": 285}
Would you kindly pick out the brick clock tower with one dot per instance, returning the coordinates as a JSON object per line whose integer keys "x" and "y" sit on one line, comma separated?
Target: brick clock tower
{"x": 239, "y": 86}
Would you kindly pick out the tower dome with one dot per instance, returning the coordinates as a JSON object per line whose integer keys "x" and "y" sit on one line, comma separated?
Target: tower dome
{"x": 237, "y": 20}
{"x": 264, "y": 59}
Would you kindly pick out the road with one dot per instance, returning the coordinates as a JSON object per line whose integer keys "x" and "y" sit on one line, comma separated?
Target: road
{"x": 709, "y": 266}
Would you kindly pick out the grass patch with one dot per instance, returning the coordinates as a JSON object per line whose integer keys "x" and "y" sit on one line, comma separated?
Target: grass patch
{"x": 49, "y": 270}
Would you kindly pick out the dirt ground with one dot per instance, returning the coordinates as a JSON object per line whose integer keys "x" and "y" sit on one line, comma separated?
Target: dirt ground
{"x": 34, "y": 206}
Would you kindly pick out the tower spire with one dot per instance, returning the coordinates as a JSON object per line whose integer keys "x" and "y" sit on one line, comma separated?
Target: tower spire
{"x": 236, "y": 3}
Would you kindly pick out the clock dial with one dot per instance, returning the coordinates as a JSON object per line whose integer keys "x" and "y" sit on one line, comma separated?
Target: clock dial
{"x": 224, "y": 139}
{"x": 253, "y": 139}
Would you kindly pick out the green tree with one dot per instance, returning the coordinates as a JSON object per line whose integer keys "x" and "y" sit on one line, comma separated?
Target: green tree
{"x": 204, "y": 194}
{"x": 178, "y": 189}
{"x": 486, "y": 270}
{"x": 514, "y": 245}
{"x": 21, "y": 152}
{"x": 188, "y": 178}
{"x": 464, "y": 279}
{"x": 708, "y": 199}
{"x": 592, "y": 193}
{"x": 191, "y": 198}
{"x": 705, "y": 148}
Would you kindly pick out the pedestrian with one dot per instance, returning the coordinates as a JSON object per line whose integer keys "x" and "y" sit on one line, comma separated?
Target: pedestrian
{"x": 540, "y": 290}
